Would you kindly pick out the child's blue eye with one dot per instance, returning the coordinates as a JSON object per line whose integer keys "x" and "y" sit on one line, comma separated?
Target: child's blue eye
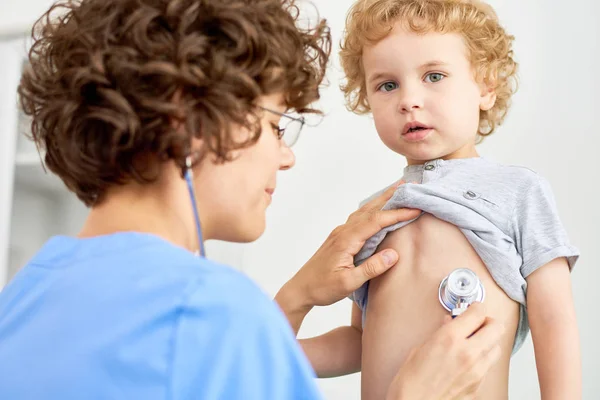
{"x": 434, "y": 77}
{"x": 388, "y": 86}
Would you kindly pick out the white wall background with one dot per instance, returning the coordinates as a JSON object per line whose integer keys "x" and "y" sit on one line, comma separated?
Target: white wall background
{"x": 550, "y": 129}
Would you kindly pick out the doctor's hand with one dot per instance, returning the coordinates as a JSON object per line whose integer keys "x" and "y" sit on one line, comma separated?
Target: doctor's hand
{"x": 330, "y": 275}
{"x": 452, "y": 364}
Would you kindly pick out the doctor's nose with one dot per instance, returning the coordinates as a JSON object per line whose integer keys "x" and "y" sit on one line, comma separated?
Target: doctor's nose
{"x": 288, "y": 158}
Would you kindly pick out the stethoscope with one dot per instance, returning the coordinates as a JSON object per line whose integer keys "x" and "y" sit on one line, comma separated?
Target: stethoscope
{"x": 189, "y": 178}
{"x": 459, "y": 290}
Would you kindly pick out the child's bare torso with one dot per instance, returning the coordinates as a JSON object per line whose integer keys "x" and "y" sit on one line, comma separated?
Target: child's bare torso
{"x": 404, "y": 310}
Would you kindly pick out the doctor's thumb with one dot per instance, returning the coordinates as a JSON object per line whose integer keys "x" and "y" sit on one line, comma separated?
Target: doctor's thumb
{"x": 376, "y": 265}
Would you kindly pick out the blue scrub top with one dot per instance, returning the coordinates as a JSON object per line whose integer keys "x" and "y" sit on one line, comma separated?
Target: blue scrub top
{"x": 130, "y": 316}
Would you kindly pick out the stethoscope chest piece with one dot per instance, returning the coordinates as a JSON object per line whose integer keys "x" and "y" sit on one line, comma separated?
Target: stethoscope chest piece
{"x": 459, "y": 290}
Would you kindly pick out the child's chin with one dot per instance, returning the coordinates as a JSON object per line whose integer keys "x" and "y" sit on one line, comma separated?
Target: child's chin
{"x": 421, "y": 157}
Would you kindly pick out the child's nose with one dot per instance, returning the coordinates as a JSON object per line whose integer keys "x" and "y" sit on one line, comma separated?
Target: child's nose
{"x": 409, "y": 101}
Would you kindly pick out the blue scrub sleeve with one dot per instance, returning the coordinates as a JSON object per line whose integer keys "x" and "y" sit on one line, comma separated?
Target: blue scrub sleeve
{"x": 231, "y": 349}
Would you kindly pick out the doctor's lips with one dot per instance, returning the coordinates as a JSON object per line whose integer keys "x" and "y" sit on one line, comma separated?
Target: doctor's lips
{"x": 270, "y": 191}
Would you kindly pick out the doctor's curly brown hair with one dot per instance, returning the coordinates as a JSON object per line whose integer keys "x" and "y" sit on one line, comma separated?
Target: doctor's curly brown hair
{"x": 109, "y": 81}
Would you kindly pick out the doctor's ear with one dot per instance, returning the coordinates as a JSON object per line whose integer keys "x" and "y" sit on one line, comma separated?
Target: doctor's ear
{"x": 197, "y": 146}
{"x": 198, "y": 151}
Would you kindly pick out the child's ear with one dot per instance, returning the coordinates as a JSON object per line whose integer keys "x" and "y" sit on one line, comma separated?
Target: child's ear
{"x": 488, "y": 97}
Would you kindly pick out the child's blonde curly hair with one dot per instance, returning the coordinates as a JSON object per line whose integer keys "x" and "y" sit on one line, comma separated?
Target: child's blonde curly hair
{"x": 490, "y": 47}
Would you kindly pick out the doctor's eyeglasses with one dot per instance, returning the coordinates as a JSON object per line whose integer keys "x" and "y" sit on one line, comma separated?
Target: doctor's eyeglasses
{"x": 290, "y": 126}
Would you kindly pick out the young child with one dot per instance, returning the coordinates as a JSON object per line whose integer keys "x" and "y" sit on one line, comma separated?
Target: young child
{"x": 438, "y": 76}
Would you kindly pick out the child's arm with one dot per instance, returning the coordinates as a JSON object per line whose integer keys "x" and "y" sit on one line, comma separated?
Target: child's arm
{"x": 554, "y": 331}
{"x": 337, "y": 352}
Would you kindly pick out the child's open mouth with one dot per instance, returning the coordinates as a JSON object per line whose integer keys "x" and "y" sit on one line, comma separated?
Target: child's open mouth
{"x": 415, "y": 131}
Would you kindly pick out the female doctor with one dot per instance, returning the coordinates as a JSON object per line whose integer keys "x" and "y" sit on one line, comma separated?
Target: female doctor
{"x": 168, "y": 118}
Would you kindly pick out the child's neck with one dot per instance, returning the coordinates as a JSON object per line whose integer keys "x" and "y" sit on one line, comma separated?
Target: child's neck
{"x": 469, "y": 152}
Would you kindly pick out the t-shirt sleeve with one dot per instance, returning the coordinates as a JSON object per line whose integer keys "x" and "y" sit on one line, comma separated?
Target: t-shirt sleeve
{"x": 237, "y": 346}
{"x": 539, "y": 233}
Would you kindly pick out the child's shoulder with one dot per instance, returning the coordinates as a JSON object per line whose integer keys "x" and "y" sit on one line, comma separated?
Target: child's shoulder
{"x": 515, "y": 186}
{"x": 517, "y": 175}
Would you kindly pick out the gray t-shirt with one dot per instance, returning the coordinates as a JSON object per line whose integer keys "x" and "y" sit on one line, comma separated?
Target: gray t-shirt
{"x": 507, "y": 213}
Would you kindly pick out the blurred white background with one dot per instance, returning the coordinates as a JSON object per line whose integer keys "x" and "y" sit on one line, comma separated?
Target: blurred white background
{"x": 551, "y": 129}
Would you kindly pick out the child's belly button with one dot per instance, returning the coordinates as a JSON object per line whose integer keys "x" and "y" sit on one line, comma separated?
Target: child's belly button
{"x": 403, "y": 308}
